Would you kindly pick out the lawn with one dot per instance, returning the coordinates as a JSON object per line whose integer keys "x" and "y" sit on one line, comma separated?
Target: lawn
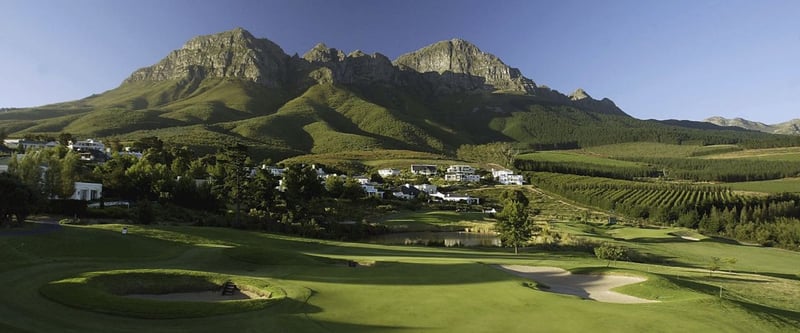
{"x": 437, "y": 220}
{"x": 403, "y": 289}
{"x": 576, "y": 157}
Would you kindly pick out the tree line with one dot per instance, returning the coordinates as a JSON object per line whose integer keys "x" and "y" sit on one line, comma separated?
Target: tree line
{"x": 712, "y": 210}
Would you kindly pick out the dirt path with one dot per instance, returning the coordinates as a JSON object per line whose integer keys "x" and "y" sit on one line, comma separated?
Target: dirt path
{"x": 595, "y": 287}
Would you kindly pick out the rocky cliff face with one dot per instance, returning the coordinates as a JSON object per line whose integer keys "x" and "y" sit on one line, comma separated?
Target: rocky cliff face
{"x": 458, "y": 65}
{"x": 230, "y": 54}
{"x": 329, "y": 65}
{"x": 454, "y": 66}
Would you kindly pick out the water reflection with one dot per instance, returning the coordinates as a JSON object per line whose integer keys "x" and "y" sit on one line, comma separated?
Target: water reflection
{"x": 429, "y": 238}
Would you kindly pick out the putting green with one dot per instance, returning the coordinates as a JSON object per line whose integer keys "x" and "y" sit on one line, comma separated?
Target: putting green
{"x": 106, "y": 292}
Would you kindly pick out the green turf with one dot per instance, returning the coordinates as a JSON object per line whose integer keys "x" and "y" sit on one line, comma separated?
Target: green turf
{"x": 789, "y": 185}
{"x": 576, "y": 156}
{"x": 403, "y": 289}
{"x": 437, "y": 220}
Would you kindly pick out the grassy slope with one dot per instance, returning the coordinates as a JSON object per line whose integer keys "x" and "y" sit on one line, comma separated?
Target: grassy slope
{"x": 576, "y": 156}
{"x": 790, "y": 185}
{"x": 408, "y": 290}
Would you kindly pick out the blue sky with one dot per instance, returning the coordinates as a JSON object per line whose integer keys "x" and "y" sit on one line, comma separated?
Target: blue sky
{"x": 677, "y": 59}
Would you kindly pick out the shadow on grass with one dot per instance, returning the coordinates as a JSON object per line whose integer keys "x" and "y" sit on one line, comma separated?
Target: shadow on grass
{"x": 787, "y": 317}
{"x": 795, "y": 277}
{"x": 784, "y": 316}
{"x": 401, "y": 274}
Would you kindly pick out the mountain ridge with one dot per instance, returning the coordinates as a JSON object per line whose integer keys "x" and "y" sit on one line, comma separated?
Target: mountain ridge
{"x": 791, "y": 127}
{"x": 231, "y": 87}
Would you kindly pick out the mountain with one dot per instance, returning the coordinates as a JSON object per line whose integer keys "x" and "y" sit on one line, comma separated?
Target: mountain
{"x": 791, "y": 127}
{"x": 232, "y": 87}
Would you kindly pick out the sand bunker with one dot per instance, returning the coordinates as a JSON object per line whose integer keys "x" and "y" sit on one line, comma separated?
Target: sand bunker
{"x": 199, "y": 296}
{"x": 595, "y": 287}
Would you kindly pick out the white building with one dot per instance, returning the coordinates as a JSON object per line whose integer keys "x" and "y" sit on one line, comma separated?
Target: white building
{"x": 462, "y": 177}
{"x": 427, "y": 188}
{"x": 465, "y": 169}
{"x": 461, "y": 173}
{"x": 389, "y": 172}
{"x": 511, "y": 179}
{"x": 86, "y": 145}
{"x": 371, "y": 191}
{"x": 363, "y": 180}
{"x": 26, "y": 144}
{"x": 507, "y": 177}
{"x": 456, "y": 198}
{"x": 87, "y": 191}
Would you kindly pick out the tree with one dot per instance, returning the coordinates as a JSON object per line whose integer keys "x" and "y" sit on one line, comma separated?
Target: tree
{"x": 514, "y": 225}
{"x": 302, "y": 184}
{"x": 231, "y": 176}
{"x": 352, "y": 189}
{"x": 714, "y": 265}
{"x": 262, "y": 190}
{"x": 17, "y": 199}
{"x": 610, "y": 252}
{"x": 335, "y": 186}
{"x": 65, "y": 139}
{"x": 514, "y": 195}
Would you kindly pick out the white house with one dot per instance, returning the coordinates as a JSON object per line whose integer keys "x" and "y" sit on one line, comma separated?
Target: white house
{"x": 427, "y": 188}
{"x": 465, "y": 169}
{"x": 462, "y": 177}
{"x": 26, "y": 144}
{"x": 3, "y": 168}
{"x": 511, "y": 179}
{"x": 389, "y": 172}
{"x": 507, "y": 177}
{"x": 461, "y": 173}
{"x": 87, "y": 191}
{"x": 363, "y": 180}
{"x": 371, "y": 191}
{"x": 456, "y": 198}
{"x": 87, "y": 145}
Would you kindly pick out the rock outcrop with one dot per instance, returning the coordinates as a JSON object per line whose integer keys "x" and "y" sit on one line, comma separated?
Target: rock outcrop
{"x": 329, "y": 65}
{"x": 447, "y": 67}
{"x": 457, "y": 65}
{"x": 230, "y": 54}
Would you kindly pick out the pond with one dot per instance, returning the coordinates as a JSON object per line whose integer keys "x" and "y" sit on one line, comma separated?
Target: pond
{"x": 447, "y": 239}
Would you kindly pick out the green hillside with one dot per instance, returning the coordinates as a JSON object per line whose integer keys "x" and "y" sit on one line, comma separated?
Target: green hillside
{"x": 330, "y": 118}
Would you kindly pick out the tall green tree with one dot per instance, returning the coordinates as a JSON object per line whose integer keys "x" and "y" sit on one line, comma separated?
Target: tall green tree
{"x": 65, "y": 138}
{"x": 302, "y": 184}
{"x": 262, "y": 190}
{"x": 514, "y": 225}
{"x": 231, "y": 175}
{"x": 17, "y": 200}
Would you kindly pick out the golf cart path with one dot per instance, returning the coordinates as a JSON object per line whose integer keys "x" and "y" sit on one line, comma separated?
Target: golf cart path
{"x": 595, "y": 287}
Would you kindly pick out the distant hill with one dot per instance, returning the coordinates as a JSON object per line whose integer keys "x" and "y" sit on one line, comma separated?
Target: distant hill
{"x": 231, "y": 87}
{"x": 791, "y": 127}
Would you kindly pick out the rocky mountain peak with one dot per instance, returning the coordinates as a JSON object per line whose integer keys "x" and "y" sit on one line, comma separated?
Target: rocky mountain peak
{"x": 461, "y": 65}
{"x": 323, "y": 53}
{"x": 579, "y": 94}
{"x": 230, "y": 54}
